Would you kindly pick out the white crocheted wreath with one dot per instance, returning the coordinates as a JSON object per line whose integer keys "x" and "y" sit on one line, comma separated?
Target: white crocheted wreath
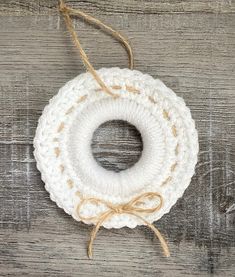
{"x": 63, "y": 144}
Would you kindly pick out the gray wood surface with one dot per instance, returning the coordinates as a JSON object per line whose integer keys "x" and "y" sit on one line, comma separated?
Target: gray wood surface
{"x": 187, "y": 44}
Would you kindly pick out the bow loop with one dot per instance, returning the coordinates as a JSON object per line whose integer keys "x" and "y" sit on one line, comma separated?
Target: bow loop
{"x": 152, "y": 198}
{"x": 90, "y": 201}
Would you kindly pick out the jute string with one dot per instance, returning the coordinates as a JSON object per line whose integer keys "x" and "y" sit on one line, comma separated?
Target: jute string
{"x": 132, "y": 207}
{"x": 67, "y": 12}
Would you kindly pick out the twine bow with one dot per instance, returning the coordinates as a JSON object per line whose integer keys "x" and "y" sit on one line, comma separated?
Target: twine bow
{"x": 131, "y": 208}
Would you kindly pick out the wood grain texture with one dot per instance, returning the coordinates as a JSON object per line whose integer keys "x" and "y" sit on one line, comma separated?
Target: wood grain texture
{"x": 46, "y": 7}
{"x": 187, "y": 44}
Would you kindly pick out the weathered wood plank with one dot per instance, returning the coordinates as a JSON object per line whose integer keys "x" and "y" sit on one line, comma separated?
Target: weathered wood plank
{"x": 49, "y": 7}
{"x": 190, "y": 46}
{"x": 59, "y": 251}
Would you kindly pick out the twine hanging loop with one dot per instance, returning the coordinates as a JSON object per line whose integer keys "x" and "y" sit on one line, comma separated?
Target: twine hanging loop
{"x": 67, "y": 12}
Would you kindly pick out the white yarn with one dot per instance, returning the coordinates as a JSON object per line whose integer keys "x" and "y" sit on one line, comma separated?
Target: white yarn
{"x": 109, "y": 182}
{"x": 170, "y": 143}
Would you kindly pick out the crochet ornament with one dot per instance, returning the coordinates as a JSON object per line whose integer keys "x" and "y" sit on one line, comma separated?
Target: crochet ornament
{"x": 138, "y": 195}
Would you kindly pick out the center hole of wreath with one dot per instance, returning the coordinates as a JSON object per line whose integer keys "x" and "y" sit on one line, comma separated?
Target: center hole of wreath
{"x": 116, "y": 145}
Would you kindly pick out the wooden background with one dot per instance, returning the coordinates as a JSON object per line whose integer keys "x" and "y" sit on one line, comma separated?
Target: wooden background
{"x": 190, "y": 46}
